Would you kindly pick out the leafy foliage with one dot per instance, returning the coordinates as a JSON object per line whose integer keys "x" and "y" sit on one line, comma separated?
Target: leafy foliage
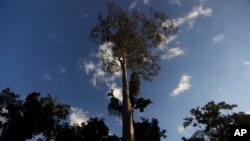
{"x": 144, "y": 130}
{"x": 36, "y": 115}
{"x": 94, "y": 130}
{"x": 213, "y": 121}
{"x": 148, "y": 131}
{"x": 132, "y": 37}
{"x": 26, "y": 119}
{"x": 138, "y": 103}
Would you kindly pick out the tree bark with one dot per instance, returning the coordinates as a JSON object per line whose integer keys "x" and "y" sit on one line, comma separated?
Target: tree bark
{"x": 127, "y": 119}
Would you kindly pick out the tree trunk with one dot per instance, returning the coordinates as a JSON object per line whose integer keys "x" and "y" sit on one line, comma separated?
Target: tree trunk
{"x": 127, "y": 119}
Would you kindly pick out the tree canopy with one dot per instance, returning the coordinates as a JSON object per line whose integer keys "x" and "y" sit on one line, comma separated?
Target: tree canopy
{"x": 132, "y": 38}
{"x": 213, "y": 121}
{"x": 25, "y": 119}
{"x": 93, "y": 130}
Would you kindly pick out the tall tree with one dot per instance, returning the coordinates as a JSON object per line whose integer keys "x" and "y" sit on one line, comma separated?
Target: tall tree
{"x": 213, "y": 121}
{"x": 144, "y": 130}
{"x": 131, "y": 39}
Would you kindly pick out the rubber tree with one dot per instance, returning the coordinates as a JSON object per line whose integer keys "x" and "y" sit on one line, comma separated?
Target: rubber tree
{"x": 131, "y": 37}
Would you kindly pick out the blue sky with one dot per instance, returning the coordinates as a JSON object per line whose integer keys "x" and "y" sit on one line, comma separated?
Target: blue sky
{"x": 45, "y": 47}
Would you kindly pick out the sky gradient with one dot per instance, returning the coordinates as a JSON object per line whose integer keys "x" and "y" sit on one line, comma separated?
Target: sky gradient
{"x": 45, "y": 48}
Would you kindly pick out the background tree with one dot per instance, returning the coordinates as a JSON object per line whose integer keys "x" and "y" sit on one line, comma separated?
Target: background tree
{"x": 131, "y": 38}
{"x": 213, "y": 121}
{"x": 148, "y": 130}
{"x": 93, "y": 130}
{"x": 36, "y": 115}
{"x": 25, "y": 119}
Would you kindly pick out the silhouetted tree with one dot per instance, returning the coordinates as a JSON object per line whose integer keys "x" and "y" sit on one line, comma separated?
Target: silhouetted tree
{"x": 23, "y": 120}
{"x": 65, "y": 132}
{"x": 94, "y": 130}
{"x": 148, "y": 131}
{"x": 213, "y": 121}
{"x": 130, "y": 37}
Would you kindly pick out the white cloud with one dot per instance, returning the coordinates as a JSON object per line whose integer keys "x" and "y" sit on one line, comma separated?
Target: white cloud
{"x": 166, "y": 41}
{"x": 248, "y": 113}
{"x": 88, "y": 66}
{"x": 133, "y": 4}
{"x": 218, "y": 38}
{"x": 247, "y": 64}
{"x": 78, "y": 116}
{"x": 62, "y": 69}
{"x": 186, "y": 132}
{"x": 54, "y": 37}
{"x": 172, "y": 52}
{"x": 136, "y": 2}
{"x": 98, "y": 74}
{"x": 99, "y": 115}
{"x": 117, "y": 91}
{"x": 47, "y": 76}
{"x": 177, "y": 2}
{"x": 183, "y": 85}
{"x": 85, "y": 15}
{"x": 193, "y": 15}
{"x": 118, "y": 121}
{"x": 146, "y": 1}
{"x": 180, "y": 129}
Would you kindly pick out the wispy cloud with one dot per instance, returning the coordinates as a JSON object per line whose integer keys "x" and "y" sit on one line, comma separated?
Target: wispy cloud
{"x": 62, "y": 69}
{"x": 86, "y": 66}
{"x": 118, "y": 121}
{"x": 78, "y": 116}
{"x": 183, "y": 85}
{"x": 167, "y": 53}
{"x": 136, "y": 2}
{"x": 191, "y": 17}
{"x": 47, "y": 76}
{"x": 218, "y": 38}
{"x": 247, "y": 65}
{"x": 146, "y": 1}
{"x": 177, "y": 2}
{"x": 85, "y": 15}
{"x": 186, "y": 132}
{"x": 54, "y": 37}
{"x": 180, "y": 129}
{"x": 172, "y": 52}
{"x": 98, "y": 74}
{"x": 133, "y": 4}
{"x": 99, "y": 115}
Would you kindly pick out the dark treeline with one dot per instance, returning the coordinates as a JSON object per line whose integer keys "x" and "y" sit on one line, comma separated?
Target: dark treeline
{"x": 46, "y": 116}
{"x": 23, "y": 119}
